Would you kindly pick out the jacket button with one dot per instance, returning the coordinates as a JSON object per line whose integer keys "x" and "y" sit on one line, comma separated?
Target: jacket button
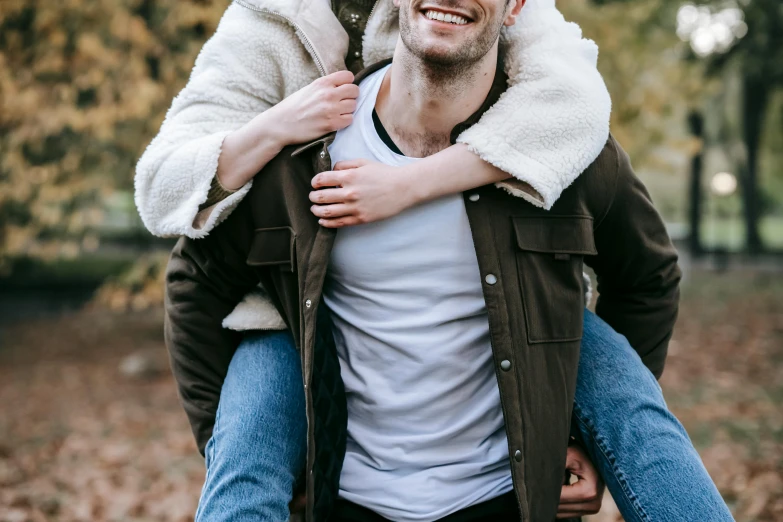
{"x": 518, "y": 456}
{"x": 505, "y": 365}
{"x": 474, "y": 197}
{"x": 491, "y": 279}
{"x": 322, "y": 154}
{"x": 308, "y": 303}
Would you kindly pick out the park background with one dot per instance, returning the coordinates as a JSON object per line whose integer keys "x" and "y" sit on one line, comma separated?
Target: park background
{"x": 91, "y": 429}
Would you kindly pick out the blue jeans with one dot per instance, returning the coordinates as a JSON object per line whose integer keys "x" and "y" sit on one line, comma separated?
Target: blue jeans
{"x": 257, "y": 450}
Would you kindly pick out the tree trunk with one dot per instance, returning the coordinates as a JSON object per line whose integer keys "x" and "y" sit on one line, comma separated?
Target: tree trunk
{"x": 755, "y": 96}
{"x": 696, "y": 124}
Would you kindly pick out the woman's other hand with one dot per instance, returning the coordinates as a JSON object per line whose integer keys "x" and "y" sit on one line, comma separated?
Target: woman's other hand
{"x": 361, "y": 191}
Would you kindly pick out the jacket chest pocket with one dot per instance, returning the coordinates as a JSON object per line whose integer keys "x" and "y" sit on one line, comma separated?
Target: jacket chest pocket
{"x": 273, "y": 247}
{"x": 549, "y": 263}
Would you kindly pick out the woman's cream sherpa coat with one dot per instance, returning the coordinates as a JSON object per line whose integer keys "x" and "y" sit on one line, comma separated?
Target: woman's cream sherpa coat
{"x": 545, "y": 130}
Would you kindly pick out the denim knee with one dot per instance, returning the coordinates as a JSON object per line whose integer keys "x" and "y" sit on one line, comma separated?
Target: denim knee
{"x": 612, "y": 377}
{"x": 259, "y": 445}
{"x": 263, "y": 385}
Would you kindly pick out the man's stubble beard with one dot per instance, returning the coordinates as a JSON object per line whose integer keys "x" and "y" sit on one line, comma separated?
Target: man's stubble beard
{"x": 446, "y": 72}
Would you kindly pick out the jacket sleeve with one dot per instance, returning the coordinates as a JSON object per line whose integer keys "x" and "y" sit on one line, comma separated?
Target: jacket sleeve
{"x": 636, "y": 267}
{"x": 205, "y": 280}
{"x": 553, "y": 120}
{"x": 239, "y": 73}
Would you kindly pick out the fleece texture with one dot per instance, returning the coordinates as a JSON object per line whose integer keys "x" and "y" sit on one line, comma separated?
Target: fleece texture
{"x": 545, "y": 130}
{"x": 251, "y": 63}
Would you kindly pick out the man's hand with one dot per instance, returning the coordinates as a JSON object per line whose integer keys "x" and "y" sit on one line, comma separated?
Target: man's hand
{"x": 360, "y": 191}
{"x": 298, "y": 503}
{"x": 583, "y": 497}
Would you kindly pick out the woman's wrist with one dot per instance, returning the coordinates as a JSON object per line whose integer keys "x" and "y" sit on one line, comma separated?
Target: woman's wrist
{"x": 415, "y": 186}
{"x": 450, "y": 171}
{"x": 248, "y": 149}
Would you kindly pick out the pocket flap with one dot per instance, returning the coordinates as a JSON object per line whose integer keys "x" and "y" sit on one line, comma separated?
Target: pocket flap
{"x": 556, "y": 234}
{"x": 272, "y": 246}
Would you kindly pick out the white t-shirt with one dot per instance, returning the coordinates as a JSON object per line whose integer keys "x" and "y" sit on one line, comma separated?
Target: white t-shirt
{"x": 426, "y": 432}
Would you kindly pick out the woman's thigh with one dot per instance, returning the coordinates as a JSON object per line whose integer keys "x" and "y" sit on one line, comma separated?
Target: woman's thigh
{"x": 258, "y": 446}
{"x": 643, "y": 452}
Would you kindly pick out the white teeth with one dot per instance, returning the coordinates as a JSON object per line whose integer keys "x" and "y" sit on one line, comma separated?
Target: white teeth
{"x": 442, "y": 17}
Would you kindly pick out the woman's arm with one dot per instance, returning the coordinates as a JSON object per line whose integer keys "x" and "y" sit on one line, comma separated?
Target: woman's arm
{"x": 218, "y": 134}
{"x": 324, "y": 106}
{"x": 362, "y": 191}
{"x": 553, "y": 120}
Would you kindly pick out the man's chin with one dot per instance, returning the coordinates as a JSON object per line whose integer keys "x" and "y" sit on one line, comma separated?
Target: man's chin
{"x": 441, "y": 56}
{"x": 440, "y": 48}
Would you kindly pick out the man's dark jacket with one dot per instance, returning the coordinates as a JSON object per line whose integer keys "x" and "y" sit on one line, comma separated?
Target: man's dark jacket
{"x": 531, "y": 263}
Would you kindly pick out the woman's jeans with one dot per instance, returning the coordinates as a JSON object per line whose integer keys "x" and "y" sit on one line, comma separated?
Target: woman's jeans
{"x": 258, "y": 447}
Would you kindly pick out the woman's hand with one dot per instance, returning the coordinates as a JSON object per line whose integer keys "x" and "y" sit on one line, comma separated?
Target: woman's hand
{"x": 584, "y": 496}
{"x": 366, "y": 191}
{"x": 361, "y": 191}
{"x": 324, "y": 106}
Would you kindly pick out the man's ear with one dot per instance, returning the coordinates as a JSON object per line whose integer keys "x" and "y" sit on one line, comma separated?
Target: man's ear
{"x": 511, "y": 18}
{"x": 396, "y": 3}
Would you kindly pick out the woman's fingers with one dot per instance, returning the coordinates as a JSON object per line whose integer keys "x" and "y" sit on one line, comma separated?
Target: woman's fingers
{"x": 348, "y": 91}
{"x": 329, "y": 196}
{"x": 337, "y": 210}
{"x": 339, "y": 78}
{"x": 347, "y": 221}
{"x": 328, "y": 178}
{"x": 351, "y": 164}
{"x": 346, "y": 106}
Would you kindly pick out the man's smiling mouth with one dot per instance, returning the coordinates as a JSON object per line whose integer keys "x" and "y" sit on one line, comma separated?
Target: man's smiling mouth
{"x": 441, "y": 16}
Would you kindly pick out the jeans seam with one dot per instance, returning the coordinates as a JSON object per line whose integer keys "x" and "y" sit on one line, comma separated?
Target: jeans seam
{"x": 210, "y": 450}
{"x": 609, "y": 456}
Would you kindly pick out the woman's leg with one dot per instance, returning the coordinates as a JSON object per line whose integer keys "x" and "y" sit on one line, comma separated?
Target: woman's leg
{"x": 259, "y": 444}
{"x": 642, "y": 451}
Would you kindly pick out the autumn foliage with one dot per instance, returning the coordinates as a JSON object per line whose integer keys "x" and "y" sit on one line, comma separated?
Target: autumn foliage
{"x": 84, "y": 85}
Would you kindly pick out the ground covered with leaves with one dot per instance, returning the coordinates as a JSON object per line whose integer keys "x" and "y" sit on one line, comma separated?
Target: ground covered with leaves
{"x": 88, "y": 433}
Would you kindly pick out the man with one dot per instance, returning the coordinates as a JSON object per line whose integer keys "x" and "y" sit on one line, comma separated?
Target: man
{"x": 439, "y": 347}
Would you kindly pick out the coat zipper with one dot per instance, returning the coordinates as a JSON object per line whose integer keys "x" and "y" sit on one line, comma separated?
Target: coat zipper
{"x": 372, "y": 10}
{"x": 307, "y": 43}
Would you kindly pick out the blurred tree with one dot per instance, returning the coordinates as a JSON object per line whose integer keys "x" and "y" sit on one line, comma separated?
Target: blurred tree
{"x": 757, "y": 57}
{"x": 652, "y": 87}
{"x": 84, "y": 85}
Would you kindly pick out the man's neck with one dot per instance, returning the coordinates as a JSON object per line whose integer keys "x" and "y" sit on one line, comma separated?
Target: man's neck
{"x": 421, "y": 104}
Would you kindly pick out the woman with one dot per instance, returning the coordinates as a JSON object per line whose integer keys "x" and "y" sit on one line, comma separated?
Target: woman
{"x": 254, "y": 87}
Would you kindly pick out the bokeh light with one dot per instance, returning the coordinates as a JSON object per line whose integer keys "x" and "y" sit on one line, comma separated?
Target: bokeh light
{"x": 710, "y": 30}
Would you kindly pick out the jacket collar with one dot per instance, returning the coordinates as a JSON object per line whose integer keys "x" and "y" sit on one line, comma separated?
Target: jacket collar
{"x": 316, "y": 26}
{"x": 499, "y": 85}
